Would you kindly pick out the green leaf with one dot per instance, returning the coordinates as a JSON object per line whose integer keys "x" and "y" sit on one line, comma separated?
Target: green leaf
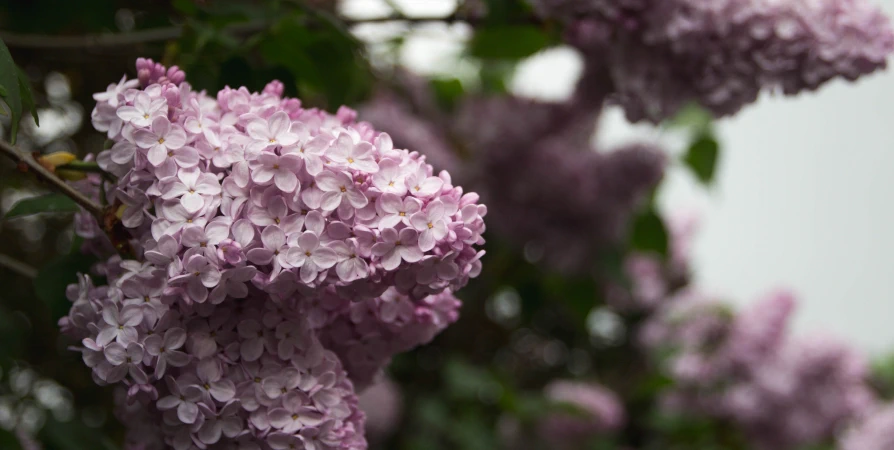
{"x": 325, "y": 61}
{"x": 447, "y": 91}
{"x": 9, "y": 441}
{"x": 52, "y": 279}
{"x": 692, "y": 117}
{"x": 73, "y": 435}
{"x": 510, "y": 42}
{"x": 702, "y": 157}
{"x": 27, "y": 97}
{"x": 9, "y": 79}
{"x": 49, "y": 203}
{"x": 649, "y": 233}
{"x": 186, "y": 7}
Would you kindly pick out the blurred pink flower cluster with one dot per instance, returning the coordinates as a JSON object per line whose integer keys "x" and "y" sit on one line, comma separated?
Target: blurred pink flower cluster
{"x": 780, "y": 392}
{"x": 662, "y": 54}
{"x": 280, "y": 246}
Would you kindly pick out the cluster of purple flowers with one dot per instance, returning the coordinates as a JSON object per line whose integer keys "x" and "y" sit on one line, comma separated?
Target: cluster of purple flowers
{"x": 874, "y": 432}
{"x": 662, "y": 54}
{"x": 598, "y": 411}
{"x": 287, "y": 254}
{"x": 779, "y": 391}
{"x": 547, "y": 188}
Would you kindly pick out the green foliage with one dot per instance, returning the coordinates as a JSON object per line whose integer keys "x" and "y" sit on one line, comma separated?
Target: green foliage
{"x": 52, "y": 279}
{"x": 324, "y": 60}
{"x": 9, "y": 441}
{"x": 693, "y": 118}
{"x": 883, "y": 375}
{"x": 48, "y": 203}
{"x": 509, "y": 42}
{"x": 15, "y": 90}
{"x": 702, "y": 157}
{"x": 649, "y": 233}
{"x": 447, "y": 91}
{"x": 73, "y": 435}
{"x": 703, "y": 151}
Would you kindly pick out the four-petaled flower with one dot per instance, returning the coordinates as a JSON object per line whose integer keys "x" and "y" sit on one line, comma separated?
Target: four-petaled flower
{"x": 338, "y": 187}
{"x": 397, "y": 246}
{"x": 162, "y": 139}
{"x": 164, "y": 348}
{"x": 294, "y": 414}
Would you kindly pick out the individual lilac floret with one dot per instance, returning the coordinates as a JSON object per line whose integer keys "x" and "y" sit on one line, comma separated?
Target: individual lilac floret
{"x": 779, "y": 392}
{"x": 597, "y": 411}
{"x": 661, "y": 55}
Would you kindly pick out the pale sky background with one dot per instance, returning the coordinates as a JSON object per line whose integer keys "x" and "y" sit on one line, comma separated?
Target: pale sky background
{"x": 804, "y": 195}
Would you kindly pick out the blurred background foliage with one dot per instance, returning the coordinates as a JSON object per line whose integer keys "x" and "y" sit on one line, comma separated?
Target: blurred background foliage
{"x": 522, "y": 324}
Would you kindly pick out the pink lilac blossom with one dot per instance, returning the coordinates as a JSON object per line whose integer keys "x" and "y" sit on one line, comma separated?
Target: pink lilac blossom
{"x": 383, "y": 405}
{"x": 213, "y": 378}
{"x": 780, "y": 392}
{"x": 661, "y": 55}
{"x": 545, "y": 185}
{"x": 264, "y": 228}
{"x": 652, "y": 279}
{"x": 874, "y": 432}
{"x": 374, "y": 330}
{"x": 598, "y": 411}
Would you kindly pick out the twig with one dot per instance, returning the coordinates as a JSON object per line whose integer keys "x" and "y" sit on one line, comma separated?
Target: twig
{"x": 17, "y": 266}
{"x": 115, "y": 40}
{"x": 87, "y": 167}
{"x": 28, "y": 163}
{"x": 112, "y": 40}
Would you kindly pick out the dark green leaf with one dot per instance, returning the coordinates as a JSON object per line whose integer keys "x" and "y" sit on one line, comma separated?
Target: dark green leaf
{"x": 52, "y": 279}
{"x": 649, "y": 234}
{"x": 495, "y": 76}
{"x": 447, "y": 91}
{"x": 73, "y": 435}
{"x": 702, "y": 157}
{"x": 49, "y": 203}
{"x": 325, "y": 61}
{"x": 503, "y": 11}
{"x": 27, "y": 97}
{"x": 509, "y": 42}
{"x": 186, "y": 7}
{"x": 9, "y": 441}
{"x": 9, "y": 79}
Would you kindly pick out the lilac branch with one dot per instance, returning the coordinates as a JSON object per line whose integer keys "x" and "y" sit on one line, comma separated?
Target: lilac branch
{"x": 17, "y": 266}
{"x": 27, "y": 163}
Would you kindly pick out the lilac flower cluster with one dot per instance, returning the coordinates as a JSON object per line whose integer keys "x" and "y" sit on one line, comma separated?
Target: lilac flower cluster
{"x": 782, "y": 393}
{"x": 245, "y": 374}
{"x": 722, "y": 54}
{"x": 287, "y": 254}
{"x": 373, "y": 330}
{"x": 546, "y": 186}
{"x": 599, "y": 411}
{"x": 874, "y": 432}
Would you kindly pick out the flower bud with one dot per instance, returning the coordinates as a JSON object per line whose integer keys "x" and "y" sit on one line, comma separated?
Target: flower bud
{"x": 70, "y": 175}
{"x": 56, "y": 159}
